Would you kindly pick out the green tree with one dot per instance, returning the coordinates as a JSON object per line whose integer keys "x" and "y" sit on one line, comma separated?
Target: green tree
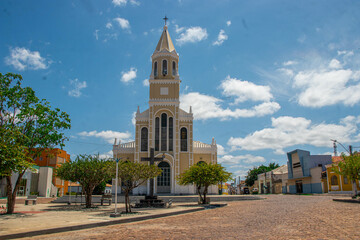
{"x": 203, "y": 175}
{"x": 350, "y": 167}
{"x": 28, "y": 126}
{"x": 133, "y": 175}
{"x": 252, "y": 175}
{"x": 89, "y": 171}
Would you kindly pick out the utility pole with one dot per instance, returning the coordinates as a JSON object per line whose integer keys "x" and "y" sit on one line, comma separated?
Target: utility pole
{"x": 335, "y": 147}
{"x": 350, "y": 150}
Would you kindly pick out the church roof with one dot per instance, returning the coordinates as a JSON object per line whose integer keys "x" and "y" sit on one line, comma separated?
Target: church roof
{"x": 165, "y": 42}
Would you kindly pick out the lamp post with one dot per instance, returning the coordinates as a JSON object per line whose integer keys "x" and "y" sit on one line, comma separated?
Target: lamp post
{"x": 116, "y": 214}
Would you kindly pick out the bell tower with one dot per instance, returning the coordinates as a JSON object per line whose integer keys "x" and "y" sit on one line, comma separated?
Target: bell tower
{"x": 164, "y": 79}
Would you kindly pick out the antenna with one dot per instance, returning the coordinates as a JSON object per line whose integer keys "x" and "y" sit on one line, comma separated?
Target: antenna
{"x": 335, "y": 147}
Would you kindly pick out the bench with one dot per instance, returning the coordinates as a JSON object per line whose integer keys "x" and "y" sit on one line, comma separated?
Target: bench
{"x": 106, "y": 197}
{"x": 32, "y": 198}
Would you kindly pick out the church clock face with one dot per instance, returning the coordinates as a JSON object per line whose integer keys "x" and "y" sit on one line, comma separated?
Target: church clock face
{"x": 164, "y": 131}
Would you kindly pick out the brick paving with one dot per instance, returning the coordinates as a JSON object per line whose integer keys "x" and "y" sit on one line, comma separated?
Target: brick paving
{"x": 277, "y": 217}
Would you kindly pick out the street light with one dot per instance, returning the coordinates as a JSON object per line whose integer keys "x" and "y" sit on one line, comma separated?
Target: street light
{"x": 116, "y": 214}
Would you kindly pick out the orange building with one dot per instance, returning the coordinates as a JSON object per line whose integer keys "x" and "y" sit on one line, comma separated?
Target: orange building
{"x": 54, "y": 158}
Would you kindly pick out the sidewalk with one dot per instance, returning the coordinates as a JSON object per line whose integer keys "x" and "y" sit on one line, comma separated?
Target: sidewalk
{"x": 50, "y": 218}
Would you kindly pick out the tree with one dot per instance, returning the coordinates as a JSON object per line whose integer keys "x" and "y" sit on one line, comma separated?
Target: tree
{"x": 253, "y": 173}
{"x": 350, "y": 167}
{"x": 89, "y": 171}
{"x": 133, "y": 175}
{"x": 203, "y": 175}
{"x": 28, "y": 126}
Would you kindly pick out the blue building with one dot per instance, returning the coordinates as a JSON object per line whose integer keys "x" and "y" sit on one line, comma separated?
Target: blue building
{"x": 304, "y": 172}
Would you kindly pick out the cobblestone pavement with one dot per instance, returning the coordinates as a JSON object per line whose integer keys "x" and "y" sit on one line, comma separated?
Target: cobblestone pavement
{"x": 277, "y": 217}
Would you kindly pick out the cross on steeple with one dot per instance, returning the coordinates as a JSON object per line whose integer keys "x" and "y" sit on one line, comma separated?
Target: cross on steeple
{"x": 165, "y": 19}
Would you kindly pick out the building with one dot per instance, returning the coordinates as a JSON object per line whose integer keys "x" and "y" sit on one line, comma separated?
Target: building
{"x": 165, "y": 127}
{"x": 335, "y": 182}
{"x": 305, "y": 171}
{"x": 54, "y": 158}
{"x": 272, "y": 181}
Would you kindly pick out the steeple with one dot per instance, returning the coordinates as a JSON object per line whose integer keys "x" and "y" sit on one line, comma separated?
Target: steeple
{"x": 165, "y": 42}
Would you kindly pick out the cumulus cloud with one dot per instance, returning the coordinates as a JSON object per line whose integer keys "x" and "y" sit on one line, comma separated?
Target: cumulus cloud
{"x": 108, "y": 135}
{"x": 76, "y": 86}
{"x": 228, "y": 23}
{"x": 108, "y": 154}
{"x": 192, "y": 35}
{"x": 248, "y": 158}
{"x": 289, "y": 131}
{"x": 128, "y": 76}
{"x": 96, "y": 34}
{"x": 22, "y": 59}
{"x": 244, "y": 90}
{"x": 221, "y": 38}
{"x": 320, "y": 82}
{"x": 206, "y": 107}
{"x": 289, "y": 63}
{"x": 123, "y": 23}
{"x": 220, "y": 150}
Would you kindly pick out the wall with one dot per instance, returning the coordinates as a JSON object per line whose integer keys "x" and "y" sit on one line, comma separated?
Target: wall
{"x": 44, "y": 187}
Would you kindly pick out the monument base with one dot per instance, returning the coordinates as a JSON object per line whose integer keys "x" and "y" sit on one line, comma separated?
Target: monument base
{"x": 150, "y": 201}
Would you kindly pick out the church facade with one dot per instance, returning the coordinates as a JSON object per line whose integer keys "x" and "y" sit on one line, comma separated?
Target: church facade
{"x": 166, "y": 128}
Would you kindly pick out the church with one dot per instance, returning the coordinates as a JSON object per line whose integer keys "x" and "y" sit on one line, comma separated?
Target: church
{"x": 166, "y": 128}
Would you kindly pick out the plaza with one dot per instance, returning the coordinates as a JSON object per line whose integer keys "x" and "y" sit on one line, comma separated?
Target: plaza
{"x": 273, "y": 217}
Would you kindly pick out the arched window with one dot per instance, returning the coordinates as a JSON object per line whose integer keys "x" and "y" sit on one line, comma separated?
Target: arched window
{"x": 163, "y": 132}
{"x": 183, "y": 139}
{"x": 201, "y": 162}
{"x": 171, "y": 134}
{"x": 334, "y": 180}
{"x": 157, "y": 134}
{"x": 155, "y": 69}
{"x": 144, "y": 139}
{"x": 173, "y": 68}
{"x": 164, "y": 67}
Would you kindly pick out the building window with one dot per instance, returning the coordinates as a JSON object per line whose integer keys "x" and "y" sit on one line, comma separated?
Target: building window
{"x": 296, "y": 165}
{"x": 163, "y": 132}
{"x": 157, "y": 133}
{"x": 144, "y": 139}
{"x": 155, "y": 69}
{"x": 171, "y": 134}
{"x": 164, "y": 67}
{"x": 183, "y": 139}
{"x": 334, "y": 180}
{"x": 346, "y": 180}
{"x": 173, "y": 68}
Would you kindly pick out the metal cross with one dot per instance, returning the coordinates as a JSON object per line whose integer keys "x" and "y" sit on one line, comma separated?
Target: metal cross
{"x": 165, "y": 19}
{"x": 152, "y": 159}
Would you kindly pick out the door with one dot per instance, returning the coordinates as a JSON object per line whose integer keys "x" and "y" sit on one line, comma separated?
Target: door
{"x": 299, "y": 188}
{"x": 163, "y": 180}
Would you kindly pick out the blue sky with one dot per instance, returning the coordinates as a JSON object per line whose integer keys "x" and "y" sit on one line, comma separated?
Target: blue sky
{"x": 263, "y": 77}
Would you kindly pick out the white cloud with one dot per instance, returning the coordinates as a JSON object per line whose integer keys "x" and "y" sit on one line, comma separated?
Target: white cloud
{"x": 228, "y": 23}
{"x": 220, "y": 150}
{"x": 248, "y": 158}
{"x": 108, "y": 135}
{"x": 108, "y": 154}
{"x": 244, "y": 90}
{"x": 133, "y": 118}
{"x": 146, "y": 83}
{"x": 289, "y": 63}
{"x": 76, "y": 87}
{"x": 128, "y": 76}
{"x": 179, "y": 29}
{"x": 119, "y": 3}
{"x": 192, "y": 35}
{"x": 122, "y": 3}
{"x": 96, "y": 34}
{"x": 123, "y": 23}
{"x": 205, "y": 107}
{"x": 335, "y": 64}
{"x": 109, "y": 25}
{"x": 289, "y": 131}
{"x": 221, "y": 38}
{"x": 22, "y": 59}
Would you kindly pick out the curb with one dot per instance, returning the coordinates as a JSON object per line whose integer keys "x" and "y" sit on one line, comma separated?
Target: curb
{"x": 347, "y": 200}
{"x": 93, "y": 225}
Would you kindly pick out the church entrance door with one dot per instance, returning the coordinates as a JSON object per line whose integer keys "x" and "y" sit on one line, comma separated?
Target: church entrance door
{"x": 163, "y": 180}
